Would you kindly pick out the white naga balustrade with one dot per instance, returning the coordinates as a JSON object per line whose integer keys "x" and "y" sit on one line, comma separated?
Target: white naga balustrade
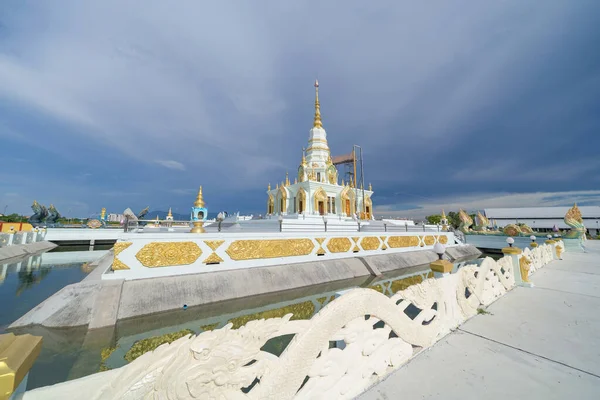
{"x": 374, "y": 335}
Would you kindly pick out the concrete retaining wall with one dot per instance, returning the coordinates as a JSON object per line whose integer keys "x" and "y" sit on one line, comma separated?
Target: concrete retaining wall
{"x": 89, "y": 302}
{"x": 24, "y": 250}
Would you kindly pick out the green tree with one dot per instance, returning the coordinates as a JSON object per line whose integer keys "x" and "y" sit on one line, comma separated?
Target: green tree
{"x": 434, "y": 219}
{"x": 453, "y": 219}
{"x": 14, "y": 218}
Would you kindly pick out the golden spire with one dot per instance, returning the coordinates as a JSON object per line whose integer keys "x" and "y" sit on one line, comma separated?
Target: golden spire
{"x": 343, "y": 184}
{"x": 303, "y": 156}
{"x": 370, "y": 187}
{"x": 170, "y": 214}
{"x": 287, "y": 179}
{"x": 317, "y": 123}
{"x": 295, "y": 181}
{"x": 277, "y": 186}
{"x": 269, "y": 187}
{"x": 199, "y": 200}
{"x": 443, "y": 214}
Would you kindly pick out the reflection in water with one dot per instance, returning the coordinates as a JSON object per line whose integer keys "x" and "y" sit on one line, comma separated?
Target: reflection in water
{"x": 29, "y": 278}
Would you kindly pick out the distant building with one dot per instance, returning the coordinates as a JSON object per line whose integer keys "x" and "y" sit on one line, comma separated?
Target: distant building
{"x": 543, "y": 219}
{"x": 115, "y": 217}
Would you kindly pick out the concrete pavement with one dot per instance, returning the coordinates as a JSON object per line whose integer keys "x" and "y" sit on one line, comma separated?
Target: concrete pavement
{"x": 537, "y": 343}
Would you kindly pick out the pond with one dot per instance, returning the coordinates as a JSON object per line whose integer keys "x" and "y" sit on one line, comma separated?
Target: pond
{"x": 73, "y": 353}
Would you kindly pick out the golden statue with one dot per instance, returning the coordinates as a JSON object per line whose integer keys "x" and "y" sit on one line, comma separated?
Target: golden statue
{"x": 524, "y": 266}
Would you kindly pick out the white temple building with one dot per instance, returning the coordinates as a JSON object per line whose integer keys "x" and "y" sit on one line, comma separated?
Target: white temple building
{"x": 317, "y": 190}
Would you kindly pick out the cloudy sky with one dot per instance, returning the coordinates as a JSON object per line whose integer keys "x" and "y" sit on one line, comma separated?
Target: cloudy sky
{"x": 457, "y": 103}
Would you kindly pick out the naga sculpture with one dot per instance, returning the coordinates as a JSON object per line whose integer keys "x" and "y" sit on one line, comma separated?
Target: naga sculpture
{"x": 39, "y": 213}
{"x": 53, "y": 215}
{"x": 465, "y": 221}
{"x": 526, "y": 229}
{"x": 512, "y": 230}
{"x": 483, "y": 222}
{"x": 574, "y": 220}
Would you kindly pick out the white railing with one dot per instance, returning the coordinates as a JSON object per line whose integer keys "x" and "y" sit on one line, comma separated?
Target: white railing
{"x": 22, "y": 237}
{"x": 373, "y": 335}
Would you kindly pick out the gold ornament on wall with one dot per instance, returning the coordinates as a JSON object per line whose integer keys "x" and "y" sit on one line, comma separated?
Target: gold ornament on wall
{"x": 167, "y": 254}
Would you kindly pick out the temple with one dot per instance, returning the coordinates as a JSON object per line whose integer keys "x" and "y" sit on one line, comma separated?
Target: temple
{"x": 317, "y": 190}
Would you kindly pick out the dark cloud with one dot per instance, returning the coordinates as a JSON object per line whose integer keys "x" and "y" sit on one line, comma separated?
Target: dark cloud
{"x": 156, "y": 98}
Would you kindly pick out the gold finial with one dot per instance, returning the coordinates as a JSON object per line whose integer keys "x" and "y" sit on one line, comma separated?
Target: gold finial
{"x": 317, "y": 123}
{"x": 170, "y": 214}
{"x": 443, "y": 214}
{"x": 370, "y": 187}
{"x": 287, "y": 179}
{"x": 199, "y": 200}
{"x": 343, "y": 184}
{"x": 295, "y": 181}
{"x": 269, "y": 187}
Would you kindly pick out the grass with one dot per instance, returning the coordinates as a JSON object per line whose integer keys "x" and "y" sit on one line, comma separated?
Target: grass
{"x": 481, "y": 311}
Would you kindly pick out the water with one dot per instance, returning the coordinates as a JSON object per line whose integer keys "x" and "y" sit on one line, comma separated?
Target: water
{"x": 24, "y": 283}
{"x": 73, "y": 353}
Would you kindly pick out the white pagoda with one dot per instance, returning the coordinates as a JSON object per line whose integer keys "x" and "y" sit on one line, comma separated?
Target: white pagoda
{"x": 317, "y": 190}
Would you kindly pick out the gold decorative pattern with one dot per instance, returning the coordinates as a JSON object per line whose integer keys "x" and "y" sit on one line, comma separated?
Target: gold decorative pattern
{"x": 320, "y": 251}
{"x": 304, "y": 310}
{"x": 167, "y": 254}
{"x": 429, "y": 240}
{"x": 384, "y": 247}
{"x": 402, "y": 284}
{"x": 209, "y": 327}
{"x": 403, "y": 241}
{"x": 118, "y": 248}
{"x": 320, "y": 240}
{"x": 213, "y": 259}
{"x": 214, "y": 244}
{"x": 443, "y": 239}
{"x": 253, "y": 249}
{"x": 558, "y": 251}
{"x": 339, "y": 245}
{"x": 370, "y": 243}
{"x": 355, "y": 239}
{"x": 355, "y": 249}
{"x": 321, "y": 300}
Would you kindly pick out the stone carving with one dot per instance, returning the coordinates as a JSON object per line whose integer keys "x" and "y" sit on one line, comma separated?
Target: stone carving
{"x": 574, "y": 220}
{"x": 39, "y": 214}
{"x": 512, "y": 230}
{"x": 524, "y": 266}
{"x": 465, "y": 221}
{"x": 228, "y": 363}
{"x": 53, "y": 215}
{"x": 483, "y": 222}
{"x": 526, "y": 229}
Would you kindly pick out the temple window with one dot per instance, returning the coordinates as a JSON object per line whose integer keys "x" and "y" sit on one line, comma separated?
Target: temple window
{"x": 294, "y": 205}
{"x": 328, "y": 205}
{"x": 333, "y": 205}
{"x": 318, "y": 177}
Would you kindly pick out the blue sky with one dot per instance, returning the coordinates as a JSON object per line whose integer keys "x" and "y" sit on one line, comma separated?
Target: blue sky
{"x": 456, "y": 104}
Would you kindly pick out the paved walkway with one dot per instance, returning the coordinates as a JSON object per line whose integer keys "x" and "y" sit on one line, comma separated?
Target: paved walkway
{"x": 540, "y": 343}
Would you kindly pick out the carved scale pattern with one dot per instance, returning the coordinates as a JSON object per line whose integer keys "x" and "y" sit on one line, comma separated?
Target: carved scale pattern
{"x": 217, "y": 364}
